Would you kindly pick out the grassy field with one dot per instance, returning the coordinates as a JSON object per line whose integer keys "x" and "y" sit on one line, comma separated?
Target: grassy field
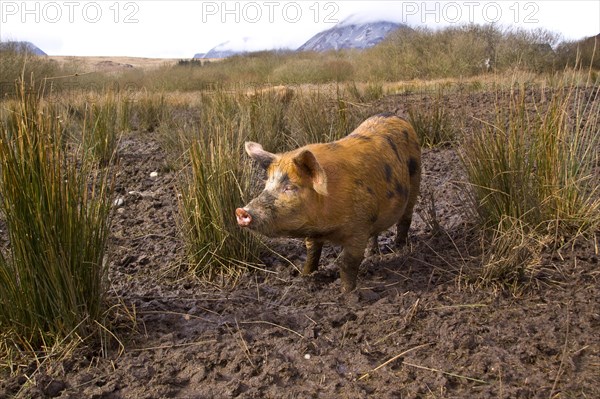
{"x": 421, "y": 54}
{"x": 531, "y": 168}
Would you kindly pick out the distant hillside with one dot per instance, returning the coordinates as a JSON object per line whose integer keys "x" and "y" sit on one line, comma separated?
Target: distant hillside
{"x": 222, "y": 50}
{"x": 351, "y": 36}
{"x": 22, "y": 47}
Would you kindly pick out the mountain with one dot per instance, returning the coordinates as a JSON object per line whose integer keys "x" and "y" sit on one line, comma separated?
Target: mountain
{"x": 222, "y": 50}
{"x": 227, "y": 49}
{"x": 351, "y": 35}
{"x": 22, "y": 47}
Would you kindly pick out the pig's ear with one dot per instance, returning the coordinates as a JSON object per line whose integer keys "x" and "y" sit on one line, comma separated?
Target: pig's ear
{"x": 256, "y": 152}
{"x": 308, "y": 164}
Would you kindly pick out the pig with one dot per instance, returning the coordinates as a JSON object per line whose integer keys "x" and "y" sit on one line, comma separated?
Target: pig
{"x": 344, "y": 192}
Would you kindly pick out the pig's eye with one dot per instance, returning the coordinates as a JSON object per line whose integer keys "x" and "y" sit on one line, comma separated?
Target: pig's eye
{"x": 290, "y": 188}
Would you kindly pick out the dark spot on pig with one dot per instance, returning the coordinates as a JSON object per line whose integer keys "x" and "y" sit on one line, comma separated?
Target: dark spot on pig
{"x": 390, "y": 194}
{"x": 373, "y": 218}
{"x": 370, "y": 191}
{"x": 400, "y": 189}
{"x": 393, "y": 145}
{"x": 388, "y": 172}
{"x": 413, "y": 166}
{"x": 406, "y": 135}
{"x": 359, "y": 182}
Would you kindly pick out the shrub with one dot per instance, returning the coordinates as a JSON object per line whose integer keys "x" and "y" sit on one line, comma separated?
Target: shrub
{"x": 16, "y": 60}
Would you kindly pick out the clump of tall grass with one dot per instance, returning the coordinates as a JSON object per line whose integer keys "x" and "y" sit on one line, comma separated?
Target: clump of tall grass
{"x": 433, "y": 124}
{"x": 211, "y": 189}
{"x": 370, "y": 92}
{"x": 320, "y": 116}
{"x": 266, "y": 116}
{"x": 151, "y": 111}
{"x": 101, "y": 123}
{"x": 261, "y": 116}
{"x": 531, "y": 171}
{"x": 509, "y": 251}
{"x": 218, "y": 179}
{"x": 55, "y": 202}
{"x": 125, "y": 111}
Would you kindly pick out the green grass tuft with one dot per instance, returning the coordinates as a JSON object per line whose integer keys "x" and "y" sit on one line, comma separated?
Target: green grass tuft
{"x": 433, "y": 124}
{"x": 56, "y": 206}
{"x": 100, "y": 135}
{"x": 532, "y": 175}
{"x": 212, "y": 188}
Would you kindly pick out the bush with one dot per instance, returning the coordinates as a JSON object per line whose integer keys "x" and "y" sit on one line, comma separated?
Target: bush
{"x": 456, "y": 52}
{"x": 17, "y": 60}
{"x": 583, "y": 53}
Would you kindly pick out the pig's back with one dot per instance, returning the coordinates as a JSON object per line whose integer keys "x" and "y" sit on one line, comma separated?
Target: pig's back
{"x": 374, "y": 171}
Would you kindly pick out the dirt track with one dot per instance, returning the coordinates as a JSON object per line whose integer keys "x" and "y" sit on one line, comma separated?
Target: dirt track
{"x": 413, "y": 329}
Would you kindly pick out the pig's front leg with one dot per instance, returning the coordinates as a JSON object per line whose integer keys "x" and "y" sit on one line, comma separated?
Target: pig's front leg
{"x": 349, "y": 263}
{"x": 313, "y": 254}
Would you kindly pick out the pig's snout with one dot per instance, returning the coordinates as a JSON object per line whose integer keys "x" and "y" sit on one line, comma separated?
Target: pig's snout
{"x": 243, "y": 217}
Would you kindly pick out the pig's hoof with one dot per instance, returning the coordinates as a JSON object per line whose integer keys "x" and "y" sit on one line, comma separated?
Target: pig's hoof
{"x": 401, "y": 242}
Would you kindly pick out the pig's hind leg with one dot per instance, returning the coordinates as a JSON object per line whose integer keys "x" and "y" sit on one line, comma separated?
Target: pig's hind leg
{"x": 403, "y": 224}
{"x": 402, "y": 231}
{"x": 313, "y": 254}
{"x": 349, "y": 263}
{"x": 414, "y": 169}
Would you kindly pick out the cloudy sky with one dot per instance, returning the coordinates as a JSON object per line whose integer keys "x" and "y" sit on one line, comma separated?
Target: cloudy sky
{"x": 179, "y": 29}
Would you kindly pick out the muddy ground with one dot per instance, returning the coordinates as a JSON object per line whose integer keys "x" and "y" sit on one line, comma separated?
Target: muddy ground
{"x": 416, "y": 327}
